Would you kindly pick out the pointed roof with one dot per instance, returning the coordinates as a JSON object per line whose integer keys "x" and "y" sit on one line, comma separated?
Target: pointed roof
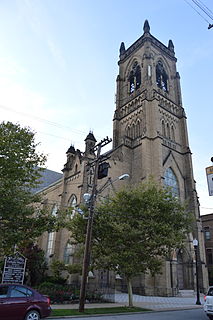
{"x": 71, "y": 149}
{"x": 147, "y": 36}
{"x": 90, "y": 136}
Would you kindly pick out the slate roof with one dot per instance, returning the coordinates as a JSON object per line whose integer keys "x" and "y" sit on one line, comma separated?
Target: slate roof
{"x": 48, "y": 177}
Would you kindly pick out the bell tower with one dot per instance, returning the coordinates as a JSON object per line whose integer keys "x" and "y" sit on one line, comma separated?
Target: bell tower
{"x": 150, "y": 133}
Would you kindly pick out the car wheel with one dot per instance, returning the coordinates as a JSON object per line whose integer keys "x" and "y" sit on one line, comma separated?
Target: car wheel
{"x": 210, "y": 317}
{"x": 32, "y": 315}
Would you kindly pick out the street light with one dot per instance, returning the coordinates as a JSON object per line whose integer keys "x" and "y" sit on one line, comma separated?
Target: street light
{"x": 195, "y": 244}
{"x": 90, "y": 199}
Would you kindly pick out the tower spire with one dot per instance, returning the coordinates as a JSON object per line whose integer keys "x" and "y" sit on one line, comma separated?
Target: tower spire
{"x": 146, "y": 27}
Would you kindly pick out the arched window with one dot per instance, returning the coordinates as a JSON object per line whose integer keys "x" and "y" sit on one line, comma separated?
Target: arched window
{"x": 168, "y": 131}
{"x": 133, "y": 131}
{"x": 138, "y": 127}
{"x": 51, "y": 235}
{"x": 172, "y": 133}
{"x": 138, "y": 77}
{"x": 131, "y": 82}
{"x": 72, "y": 204}
{"x": 68, "y": 253}
{"x": 50, "y": 245}
{"x": 54, "y": 210}
{"x": 161, "y": 77}
{"x": 128, "y": 132}
{"x": 134, "y": 78}
{"x": 171, "y": 181}
{"x": 163, "y": 128}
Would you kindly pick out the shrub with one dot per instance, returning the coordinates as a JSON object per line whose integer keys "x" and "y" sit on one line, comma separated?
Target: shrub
{"x": 66, "y": 293}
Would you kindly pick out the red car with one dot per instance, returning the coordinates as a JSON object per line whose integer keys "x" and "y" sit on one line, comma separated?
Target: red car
{"x": 19, "y": 302}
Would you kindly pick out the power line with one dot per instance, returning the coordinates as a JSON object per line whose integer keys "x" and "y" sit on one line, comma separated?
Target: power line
{"x": 205, "y": 9}
{"x": 44, "y": 120}
{"x": 198, "y": 12}
{"x": 55, "y": 124}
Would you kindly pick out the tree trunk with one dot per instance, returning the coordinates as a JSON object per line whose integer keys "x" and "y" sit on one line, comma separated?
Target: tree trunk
{"x": 129, "y": 286}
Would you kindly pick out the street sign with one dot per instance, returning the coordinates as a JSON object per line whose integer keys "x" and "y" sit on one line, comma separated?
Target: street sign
{"x": 14, "y": 269}
{"x": 209, "y": 175}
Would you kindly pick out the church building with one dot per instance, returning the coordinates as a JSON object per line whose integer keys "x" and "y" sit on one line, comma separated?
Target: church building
{"x": 149, "y": 139}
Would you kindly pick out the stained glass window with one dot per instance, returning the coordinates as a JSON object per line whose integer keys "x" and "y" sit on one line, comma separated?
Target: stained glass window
{"x": 170, "y": 180}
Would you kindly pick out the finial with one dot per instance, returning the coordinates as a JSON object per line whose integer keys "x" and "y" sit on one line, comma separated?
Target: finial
{"x": 171, "y": 46}
{"x": 146, "y": 27}
{"x": 122, "y": 48}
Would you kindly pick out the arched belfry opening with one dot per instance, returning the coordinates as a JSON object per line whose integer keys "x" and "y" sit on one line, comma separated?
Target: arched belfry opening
{"x": 134, "y": 78}
{"x": 161, "y": 76}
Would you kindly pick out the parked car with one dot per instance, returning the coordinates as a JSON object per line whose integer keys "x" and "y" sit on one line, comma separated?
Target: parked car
{"x": 19, "y": 302}
{"x": 208, "y": 303}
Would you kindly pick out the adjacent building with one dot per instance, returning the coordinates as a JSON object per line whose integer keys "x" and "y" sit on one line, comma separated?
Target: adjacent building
{"x": 207, "y": 222}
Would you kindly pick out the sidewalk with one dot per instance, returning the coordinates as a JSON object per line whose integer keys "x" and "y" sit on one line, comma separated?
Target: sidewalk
{"x": 149, "y": 302}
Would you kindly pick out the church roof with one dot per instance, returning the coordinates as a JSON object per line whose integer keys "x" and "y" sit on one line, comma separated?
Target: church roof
{"x": 47, "y": 178}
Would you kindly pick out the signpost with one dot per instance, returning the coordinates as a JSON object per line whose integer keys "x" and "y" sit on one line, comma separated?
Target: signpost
{"x": 14, "y": 269}
{"x": 209, "y": 175}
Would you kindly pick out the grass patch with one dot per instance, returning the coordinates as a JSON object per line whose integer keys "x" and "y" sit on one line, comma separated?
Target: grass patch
{"x": 75, "y": 312}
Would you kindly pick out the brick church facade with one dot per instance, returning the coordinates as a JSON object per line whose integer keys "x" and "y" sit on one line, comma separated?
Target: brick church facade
{"x": 149, "y": 139}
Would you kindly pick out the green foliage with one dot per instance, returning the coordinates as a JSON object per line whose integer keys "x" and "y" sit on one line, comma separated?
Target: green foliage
{"x": 57, "y": 267}
{"x": 21, "y": 218}
{"x": 134, "y": 228}
{"x": 60, "y": 293}
{"x": 36, "y": 264}
{"x": 74, "y": 268}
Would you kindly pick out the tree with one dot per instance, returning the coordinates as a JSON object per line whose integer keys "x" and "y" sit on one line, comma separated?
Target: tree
{"x": 20, "y": 170}
{"x": 36, "y": 264}
{"x": 134, "y": 229}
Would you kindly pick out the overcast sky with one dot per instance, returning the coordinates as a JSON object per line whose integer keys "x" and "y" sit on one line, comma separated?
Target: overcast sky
{"x": 58, "y": 66}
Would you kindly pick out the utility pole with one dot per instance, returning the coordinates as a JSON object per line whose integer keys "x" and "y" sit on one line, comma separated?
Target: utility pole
{"x": 87, "y": 248}
{"x": 195, "y": 243}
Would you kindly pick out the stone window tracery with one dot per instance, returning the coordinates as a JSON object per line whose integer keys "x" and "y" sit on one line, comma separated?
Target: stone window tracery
{"x": 170, "y": 180}
{"x": 133, "y": 130}
{"x": 138, "y": 126}
{"x": 72, "y": 204}
{"x": 172, "y": 133}
{"x": 51, "y": 235}
{"x": 163, "y": 128}
{"x": 161, "y": 77}
{"x": 134, "y": 78}
{"x": 68, "y": 253}
{"x": 128, "y": 132}
{"x": 168, "y": 131}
